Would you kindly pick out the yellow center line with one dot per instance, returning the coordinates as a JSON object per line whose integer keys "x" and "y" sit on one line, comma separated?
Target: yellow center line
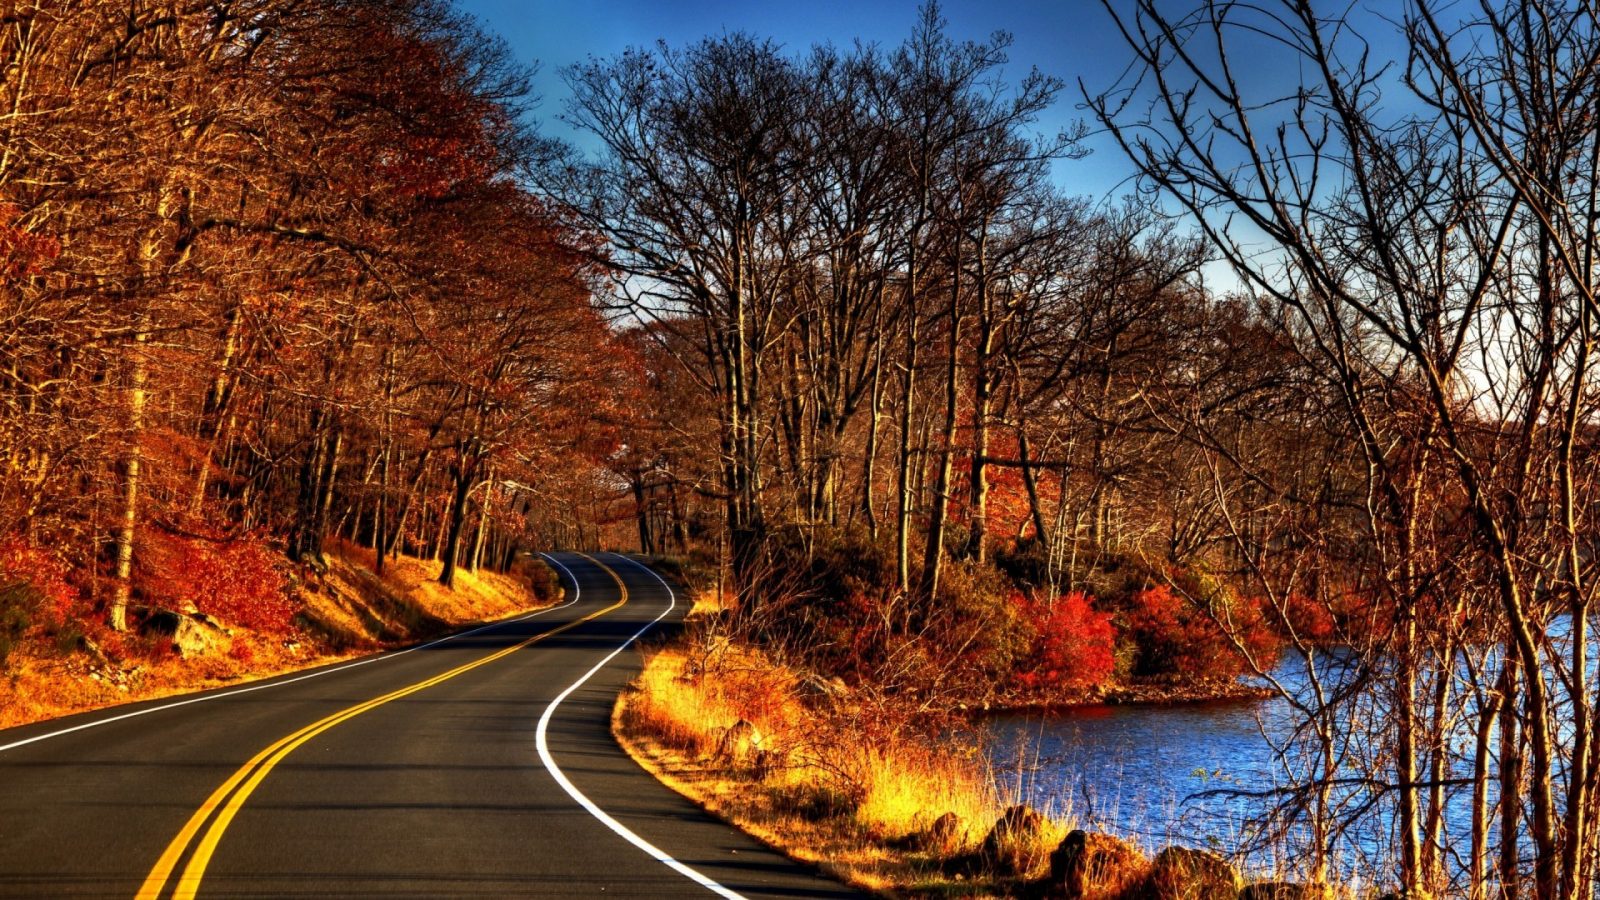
{"x": 230, "y": 797}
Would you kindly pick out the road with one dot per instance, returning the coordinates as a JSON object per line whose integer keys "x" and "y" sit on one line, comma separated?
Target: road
{"x": 478, "y": 765}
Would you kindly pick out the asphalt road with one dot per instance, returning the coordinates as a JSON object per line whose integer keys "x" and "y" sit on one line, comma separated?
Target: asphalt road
{"x": 474, "y": 766}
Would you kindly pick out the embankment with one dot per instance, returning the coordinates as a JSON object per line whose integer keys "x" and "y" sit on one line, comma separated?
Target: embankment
{"x": 343, "y": 611}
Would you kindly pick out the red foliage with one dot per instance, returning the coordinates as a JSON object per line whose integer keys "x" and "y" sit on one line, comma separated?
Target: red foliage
{"x": 239, "y": 581}
{"x": 1073, "y": 647}
{"x": 56, "y": 600}
{"x": 1175, "y": 637}
{"x": 23, "y": 253}
{"x": 242, "y": 652}
{"x": 1311, "y": 621}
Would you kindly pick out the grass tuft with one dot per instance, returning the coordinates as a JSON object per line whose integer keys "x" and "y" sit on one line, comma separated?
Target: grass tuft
{"x": 836, "y": 780}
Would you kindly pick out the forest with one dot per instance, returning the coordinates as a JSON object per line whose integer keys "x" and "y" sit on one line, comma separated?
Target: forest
{"x": 281, "y": 279}
{"x": 269, "y": 281}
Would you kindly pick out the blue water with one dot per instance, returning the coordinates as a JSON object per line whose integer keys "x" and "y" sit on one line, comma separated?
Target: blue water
{"x": 1163, "y": 774}
{"x": 1140, "y": 771}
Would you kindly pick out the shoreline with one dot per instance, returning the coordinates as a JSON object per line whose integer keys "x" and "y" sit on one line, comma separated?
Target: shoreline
{"x": 1167, "y": 694}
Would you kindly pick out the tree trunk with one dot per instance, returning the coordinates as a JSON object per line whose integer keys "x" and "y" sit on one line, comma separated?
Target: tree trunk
{"x": 869, "y": 465}
{"x": 904, "y": 476}
{"x": 1510, "y": 780}
{"x": 641, "y": 511}
{"x": 134, "y": 396}
{"x": 1030, "y": 481}
{"x": 477, "y": 541}
{"x": 933, "y": 551}
{"x": 456, "y": 520}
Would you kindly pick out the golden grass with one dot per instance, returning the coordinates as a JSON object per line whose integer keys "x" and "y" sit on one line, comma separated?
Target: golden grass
{"x": 349, "y": 610}
{"x": 706, "y": 601}
{"x": 830, "y": 784}
{"x": 351, "y": 605}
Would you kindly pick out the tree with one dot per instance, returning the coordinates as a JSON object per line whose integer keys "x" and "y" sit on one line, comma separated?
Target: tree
{"x": 1429, "y": 261}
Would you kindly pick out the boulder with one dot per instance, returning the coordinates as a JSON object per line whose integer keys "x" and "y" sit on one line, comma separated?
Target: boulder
{"x": 197, "y": 634}
{"x": 1016, "y": 845}
{"x": 740, "y": 744}
{"x": 1093, "y": 866}
{"x": 941, "y": 838}
{"x": 1182, "y": 873}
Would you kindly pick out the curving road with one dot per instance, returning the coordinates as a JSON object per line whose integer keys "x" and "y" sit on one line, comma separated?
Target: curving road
{"x": 478, "y": 765}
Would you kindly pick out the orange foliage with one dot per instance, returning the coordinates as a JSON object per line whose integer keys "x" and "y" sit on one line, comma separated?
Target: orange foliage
{"x": 55, "y": 600}
{"x": 239, "y": 581}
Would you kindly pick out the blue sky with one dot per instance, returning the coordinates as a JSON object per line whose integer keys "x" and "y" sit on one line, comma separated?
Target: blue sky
{"x": 1071, "y": 39}
{"x": 1066, "y": 38}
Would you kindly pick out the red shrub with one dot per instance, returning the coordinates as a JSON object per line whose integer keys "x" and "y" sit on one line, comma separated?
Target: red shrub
{"x": 54, "y": 600}
{"x": 1176, "y": 637}
{"x": 1074, "y": 645}
{"x": 236, "y": 580}
{"x": 1311, "y": 620}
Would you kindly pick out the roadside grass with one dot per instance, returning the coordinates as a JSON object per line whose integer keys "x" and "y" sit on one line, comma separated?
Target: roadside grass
{"x": 829, "y": 777}
{"x": 847, "y": 781}
{"x": 345, "y": 611}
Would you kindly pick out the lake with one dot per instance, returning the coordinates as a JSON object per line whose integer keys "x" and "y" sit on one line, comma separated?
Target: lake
{"x": 1157, "y": 774}
{"x": 1134, "y": 770}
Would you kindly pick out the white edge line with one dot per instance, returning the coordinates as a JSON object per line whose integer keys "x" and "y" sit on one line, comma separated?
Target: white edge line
{"x": 379, "y": 657}
{"x": 543, "y": 743}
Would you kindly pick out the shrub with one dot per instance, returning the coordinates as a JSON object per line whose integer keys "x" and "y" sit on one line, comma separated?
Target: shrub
{"x": 238, "y": 580}
{"x": 1025, "y": 561}
{"x": 1074, "y": 643}
{"x": 34, "y": 593}
{"x": 542, "y": 580}
{"x": 1174, "y": 636}
{"x": 822, "y": 599}
{"x": 17, "y": 599}
{"x": 54, "y": 601}
{"x": 1310, "y": 620}
{"x": 975, "y": 610}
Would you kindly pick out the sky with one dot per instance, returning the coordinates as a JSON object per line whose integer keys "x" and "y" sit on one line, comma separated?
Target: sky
{"x": 1070, "y": 39}
{"x": 1077, "y": 41}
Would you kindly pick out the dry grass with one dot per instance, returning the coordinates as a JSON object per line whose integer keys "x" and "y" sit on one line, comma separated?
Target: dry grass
{"x": 349, "y": 606}
{"x": 828, "y": 781}
{"x": 348, "y": 611}
{"x": 707, "y": 601}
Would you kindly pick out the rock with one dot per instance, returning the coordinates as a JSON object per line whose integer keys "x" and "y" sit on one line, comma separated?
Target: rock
{"x": 740, "y": 744}
{"x": 1016, "y": 845}
{"x": 196, "y": 634}
{"x": 1091, "y": 866}
{"x": 816, "y": 687}
{"x": 1181, "y": 873}
{"x": 943, "y": 837}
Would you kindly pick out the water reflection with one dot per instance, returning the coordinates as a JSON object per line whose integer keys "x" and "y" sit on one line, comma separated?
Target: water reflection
{"x": 1137, "y": 770}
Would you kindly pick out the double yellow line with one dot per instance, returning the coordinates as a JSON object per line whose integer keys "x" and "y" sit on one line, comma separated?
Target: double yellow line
{"x": 227, "y": 800}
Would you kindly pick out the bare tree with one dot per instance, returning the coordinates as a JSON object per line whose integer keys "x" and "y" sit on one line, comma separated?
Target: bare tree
{"x": 1433, "y": 266}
